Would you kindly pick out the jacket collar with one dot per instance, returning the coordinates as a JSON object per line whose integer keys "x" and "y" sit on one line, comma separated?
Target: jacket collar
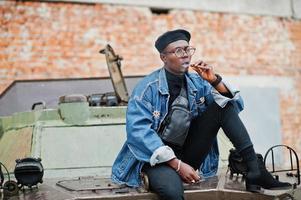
{"x": 191, "y": 87}
{"x": 163, "y": 86}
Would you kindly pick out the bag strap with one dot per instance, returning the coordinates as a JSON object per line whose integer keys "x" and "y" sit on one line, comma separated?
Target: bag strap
{"x": 183, "y": 91}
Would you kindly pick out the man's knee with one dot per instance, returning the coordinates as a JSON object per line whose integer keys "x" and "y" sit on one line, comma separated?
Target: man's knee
{"x": 169, "y": 187}
{"x": 172, "y": 192}
{"x": 165, "y": 182}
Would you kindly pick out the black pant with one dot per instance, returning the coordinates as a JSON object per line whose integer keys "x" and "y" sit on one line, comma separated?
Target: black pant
{"x": 165, "y": 181}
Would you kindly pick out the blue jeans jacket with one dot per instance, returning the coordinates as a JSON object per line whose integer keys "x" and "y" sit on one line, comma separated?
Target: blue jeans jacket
{"x": 147, "y": 108}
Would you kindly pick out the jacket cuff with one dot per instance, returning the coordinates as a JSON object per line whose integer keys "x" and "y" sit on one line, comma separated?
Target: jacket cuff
{"x": 162, "y": 154}
{"x": 223, "y": 100}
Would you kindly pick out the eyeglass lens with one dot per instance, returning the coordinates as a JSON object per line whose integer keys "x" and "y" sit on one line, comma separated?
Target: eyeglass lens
{"x": 181, "y": 52}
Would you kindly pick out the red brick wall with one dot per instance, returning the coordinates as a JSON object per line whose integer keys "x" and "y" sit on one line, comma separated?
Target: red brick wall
{"x": 60, "y": 40}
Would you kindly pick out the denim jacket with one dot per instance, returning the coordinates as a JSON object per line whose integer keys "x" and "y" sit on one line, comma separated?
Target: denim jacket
{"x": 147, "y": 108}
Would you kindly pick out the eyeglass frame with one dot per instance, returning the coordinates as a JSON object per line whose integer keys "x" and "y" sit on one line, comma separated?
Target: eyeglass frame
{"x": 182, "y": 49}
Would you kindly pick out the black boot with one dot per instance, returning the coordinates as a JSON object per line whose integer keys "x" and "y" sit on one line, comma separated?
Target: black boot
{"x": 253, "y": 172}
{"x": 266, "y": 180}
{"x": 253, "y": 175}
{"x": 258, "y": 177}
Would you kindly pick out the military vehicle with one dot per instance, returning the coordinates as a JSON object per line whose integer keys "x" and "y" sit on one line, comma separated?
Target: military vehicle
{"x": 77, "y": 138}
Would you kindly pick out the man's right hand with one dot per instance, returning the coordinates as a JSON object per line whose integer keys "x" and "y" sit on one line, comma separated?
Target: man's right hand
{"x": 187, "y": 173}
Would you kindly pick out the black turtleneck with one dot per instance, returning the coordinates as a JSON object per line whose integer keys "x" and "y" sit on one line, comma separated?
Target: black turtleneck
{"x": 174, "y": 85}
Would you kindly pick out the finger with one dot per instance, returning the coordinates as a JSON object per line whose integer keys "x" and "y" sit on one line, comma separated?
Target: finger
{"x": 196, "y": 69}
{"x": 190, "y": 180}
{"x": 203, "y": 64}
{"x": 187, "y": 180}
{"x": 199, "y": 70}
{"x": 196, "y": 176}
{"x": 204, "y": 67}
{"x": 197, "y": 63}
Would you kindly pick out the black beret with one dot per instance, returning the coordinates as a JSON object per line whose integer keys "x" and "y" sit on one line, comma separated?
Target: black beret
{"x": 171, "y": 36}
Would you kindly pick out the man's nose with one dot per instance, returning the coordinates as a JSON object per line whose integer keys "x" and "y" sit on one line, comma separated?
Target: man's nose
{"x": 185, "y": 55}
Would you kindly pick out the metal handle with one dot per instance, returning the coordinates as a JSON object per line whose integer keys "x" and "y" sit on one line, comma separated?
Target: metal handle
{"x": 38, "y": 103}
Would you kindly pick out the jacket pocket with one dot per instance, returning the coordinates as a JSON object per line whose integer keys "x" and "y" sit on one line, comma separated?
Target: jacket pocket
{"x": 126, "y": 160}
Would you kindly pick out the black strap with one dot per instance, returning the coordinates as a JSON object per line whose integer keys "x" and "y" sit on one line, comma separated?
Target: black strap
{"x": 217, "y": 81}
{"x": 183, "y": 91}
{"x": 1, "y": 176}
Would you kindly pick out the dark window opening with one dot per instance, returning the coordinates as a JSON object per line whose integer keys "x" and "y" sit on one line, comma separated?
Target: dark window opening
{"x": 159, "y": 11}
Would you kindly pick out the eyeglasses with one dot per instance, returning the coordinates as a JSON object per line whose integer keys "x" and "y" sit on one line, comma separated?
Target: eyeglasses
{"x": 180, "y": 52}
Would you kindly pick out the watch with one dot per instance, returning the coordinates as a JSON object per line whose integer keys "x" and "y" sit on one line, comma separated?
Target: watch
{"x": 217, "y": 81}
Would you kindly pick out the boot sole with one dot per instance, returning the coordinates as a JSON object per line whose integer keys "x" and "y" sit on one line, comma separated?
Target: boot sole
{"x": 280, "y": 188}
{"x": 253, "y": 188}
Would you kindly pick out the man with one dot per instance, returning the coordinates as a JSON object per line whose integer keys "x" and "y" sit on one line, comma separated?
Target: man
{"x": 172, "y": 120}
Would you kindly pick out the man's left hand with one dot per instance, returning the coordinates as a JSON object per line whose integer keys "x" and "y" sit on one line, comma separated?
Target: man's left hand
{"x": 204, "y": 70}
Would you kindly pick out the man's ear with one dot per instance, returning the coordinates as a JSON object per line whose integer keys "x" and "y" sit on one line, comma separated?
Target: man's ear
{"x": 163, "y": 57}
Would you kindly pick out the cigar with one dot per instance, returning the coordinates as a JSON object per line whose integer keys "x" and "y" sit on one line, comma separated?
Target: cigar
{"x": 200, "y": 67}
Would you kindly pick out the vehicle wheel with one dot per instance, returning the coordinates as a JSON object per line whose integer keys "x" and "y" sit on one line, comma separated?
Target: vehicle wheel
{"x": 10, "y": 188}
{"x": 145, "y": 181}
